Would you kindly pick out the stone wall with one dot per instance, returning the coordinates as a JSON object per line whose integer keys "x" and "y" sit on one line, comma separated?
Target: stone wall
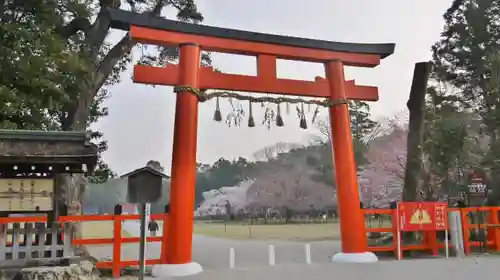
{"x": 83, "y": 271}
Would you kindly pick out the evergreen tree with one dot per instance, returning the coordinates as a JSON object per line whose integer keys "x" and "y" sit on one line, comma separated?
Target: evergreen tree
{"x": 468, "y": 57}
{"x": 56, "y": 62}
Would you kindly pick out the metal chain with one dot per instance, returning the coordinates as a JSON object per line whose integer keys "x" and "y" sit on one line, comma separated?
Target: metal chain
{"x": 204, "y": 96}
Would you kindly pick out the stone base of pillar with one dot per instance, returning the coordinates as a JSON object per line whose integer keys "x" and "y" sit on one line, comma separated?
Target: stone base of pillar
{"x": 366, "y": 257}
{"x": 164, "y": 271}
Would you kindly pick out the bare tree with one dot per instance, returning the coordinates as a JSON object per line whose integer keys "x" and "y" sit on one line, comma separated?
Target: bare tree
{"x": 271, "y": 152}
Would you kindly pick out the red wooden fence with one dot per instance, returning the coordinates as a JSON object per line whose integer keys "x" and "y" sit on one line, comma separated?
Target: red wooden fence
{"x": 116, "y": 264}
{"x": 430, "y": 243}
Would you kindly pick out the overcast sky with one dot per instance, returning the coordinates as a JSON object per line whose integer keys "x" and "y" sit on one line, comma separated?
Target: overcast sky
{"x": 140, "y": 122}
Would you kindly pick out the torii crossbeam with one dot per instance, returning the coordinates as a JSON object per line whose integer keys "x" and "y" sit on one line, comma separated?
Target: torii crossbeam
{"x": 193, "y": 38}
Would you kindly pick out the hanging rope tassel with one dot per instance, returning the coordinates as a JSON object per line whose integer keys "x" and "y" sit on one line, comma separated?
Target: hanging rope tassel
{"x": 279, "y": 119}
{"x": 315, "y": 114}
{"x": 251, "y": 121}
{"x": 217, "y": 114}
{"x": 303, "y": 121}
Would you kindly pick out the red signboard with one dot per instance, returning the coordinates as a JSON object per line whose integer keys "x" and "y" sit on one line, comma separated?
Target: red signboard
{"x": 422, "y": 216}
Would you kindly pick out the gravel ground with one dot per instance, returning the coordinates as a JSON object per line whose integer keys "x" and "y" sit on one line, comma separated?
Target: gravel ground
{"x": 252, "y": 262}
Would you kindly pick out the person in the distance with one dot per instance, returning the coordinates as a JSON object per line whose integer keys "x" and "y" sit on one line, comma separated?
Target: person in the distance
{"x": 153, "y": 227}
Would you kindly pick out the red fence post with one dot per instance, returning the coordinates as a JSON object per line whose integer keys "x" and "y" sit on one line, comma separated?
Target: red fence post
{"x": 395, "y": 234}
{"x": 163, "y": 255}
{"x": 117, "y": 245}
{"x": 494, "y": 231}
{"x": 432, "y": 244}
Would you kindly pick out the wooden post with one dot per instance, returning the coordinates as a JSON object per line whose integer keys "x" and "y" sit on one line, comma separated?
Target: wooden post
{"x": 182, "y": 187}
{"x": 352, "y": 226}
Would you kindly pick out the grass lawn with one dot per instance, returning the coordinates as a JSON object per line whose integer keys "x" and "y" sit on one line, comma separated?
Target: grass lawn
{"x": 295, "y": 232}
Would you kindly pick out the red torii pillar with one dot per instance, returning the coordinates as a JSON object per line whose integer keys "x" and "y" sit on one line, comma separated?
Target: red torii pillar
{"x": 189, "y": 76}
{"x": 352, "y": 229}
{"x": 183, "y": 173}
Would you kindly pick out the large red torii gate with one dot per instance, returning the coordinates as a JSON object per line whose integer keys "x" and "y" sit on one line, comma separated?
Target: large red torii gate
{"x": 189, "y": 77}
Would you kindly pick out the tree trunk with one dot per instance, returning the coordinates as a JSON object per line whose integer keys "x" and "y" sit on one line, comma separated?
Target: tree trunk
{"x": 71, "y": 188}
{"x": 416, "y": 108}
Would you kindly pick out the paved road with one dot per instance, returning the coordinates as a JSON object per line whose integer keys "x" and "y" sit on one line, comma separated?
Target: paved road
{"x": 252, "y": 262}
{"x": 484, "y": 268}
{"x": 213, "y": 253}
{"x": 430, "y": 269}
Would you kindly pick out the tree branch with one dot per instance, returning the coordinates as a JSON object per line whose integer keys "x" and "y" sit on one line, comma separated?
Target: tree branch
{"x": 77, "y": 24}
{"x": 123, "y": 47}
{"x": 173, "y": 4}
{"x": 96, "y": 38}
{"x": 115, "y": 4}
{"x": 97, "y": 34}
{"x": 158, "y": 7}
{"x": 132, "y": 5}
{"x": 2, "y": 10}
{"x": 68, "y": 118}
{"x": 105, "y": 67}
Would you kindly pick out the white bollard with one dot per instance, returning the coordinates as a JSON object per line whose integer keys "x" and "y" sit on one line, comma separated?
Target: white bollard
{"x": 232, "y": 258}
{"x": 308, "y": 253}
{"x": 455, "y": 224}
{"x": 272, "y": 257}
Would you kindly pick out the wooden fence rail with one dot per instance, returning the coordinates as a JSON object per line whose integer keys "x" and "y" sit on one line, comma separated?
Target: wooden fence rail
{"x": 64, "y": 230}
{"x": 34, "y": 245}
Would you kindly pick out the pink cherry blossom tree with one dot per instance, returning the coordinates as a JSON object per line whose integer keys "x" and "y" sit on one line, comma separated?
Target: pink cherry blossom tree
{"x": 381, "y": 180}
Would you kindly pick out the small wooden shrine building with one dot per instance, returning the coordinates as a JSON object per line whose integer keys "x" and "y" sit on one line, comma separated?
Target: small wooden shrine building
{"x": 41, "y": 173}
{"x": 31, "y": 163}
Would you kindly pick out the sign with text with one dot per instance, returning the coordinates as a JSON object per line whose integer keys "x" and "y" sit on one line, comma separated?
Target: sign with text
{"x": 422, "y": 216}
{"x": 476, "y": 183}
